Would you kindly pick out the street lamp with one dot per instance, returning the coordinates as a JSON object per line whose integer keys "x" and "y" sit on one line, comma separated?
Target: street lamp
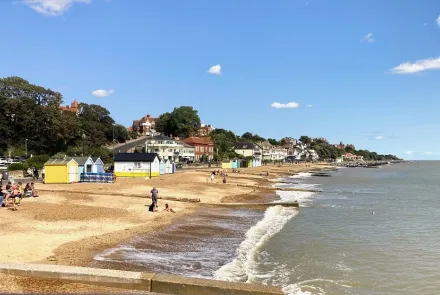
{"x": 83, "y": 138}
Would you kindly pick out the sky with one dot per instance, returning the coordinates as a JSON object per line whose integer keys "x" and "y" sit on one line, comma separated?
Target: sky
{"x": 361, "y": 72}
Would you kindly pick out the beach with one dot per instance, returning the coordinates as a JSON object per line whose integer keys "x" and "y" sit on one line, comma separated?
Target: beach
{"x": 71, "y": 223}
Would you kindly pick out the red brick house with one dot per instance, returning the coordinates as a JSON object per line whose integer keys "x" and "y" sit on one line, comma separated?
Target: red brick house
{"x": 202, "y": 145}
{"x": 72, "y": 108}
{"x": 145, "y": 125}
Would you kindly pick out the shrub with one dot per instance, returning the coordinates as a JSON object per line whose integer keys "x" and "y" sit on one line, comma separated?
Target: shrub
{"x": 16, "y": 167}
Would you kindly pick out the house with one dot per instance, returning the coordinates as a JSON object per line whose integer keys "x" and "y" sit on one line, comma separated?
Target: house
{"x": 267, "y": 150}
{"x": 248, "y": 149}
{"x": 98, "y": 165}
{"x": 187, "y": 152}
{"x": 73, "y": 108}
{"x": 312, "y": 154}
{"x": 85, "y": 164}
{"x": 202, "y": 146}
{"x": 145, "y": 126}
{"x": 204, "y": 130}
{"x": 136, "y": 165}
{"x": 166, "y": 147}
{"x": 61, "y": 171}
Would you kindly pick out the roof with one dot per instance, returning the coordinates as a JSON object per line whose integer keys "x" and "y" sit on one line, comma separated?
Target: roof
{"x": 266, "y": 144}
{"x": 135, "y": 157}
{"x": 96, "y": 159}
{"x": 158, "y": 137}
{"x": 59, "y": 162}
{"x": 244, "y": 146}
{"x": 198, "y": 140}
{"x": 81, "y": 160}
{"x": 185, "y": 144}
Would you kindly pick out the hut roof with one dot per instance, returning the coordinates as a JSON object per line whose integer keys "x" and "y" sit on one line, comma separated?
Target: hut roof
{"x": 59, "y": 162}
{"x": 135, "y": 157}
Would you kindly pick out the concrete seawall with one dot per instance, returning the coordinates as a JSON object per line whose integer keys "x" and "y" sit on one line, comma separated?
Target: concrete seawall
{"x": 158, "y": 283}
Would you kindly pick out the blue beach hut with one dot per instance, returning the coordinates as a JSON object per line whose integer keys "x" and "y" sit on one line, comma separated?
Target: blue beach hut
{"x": 98, "y": 165}
{"x": 162, "y": 167}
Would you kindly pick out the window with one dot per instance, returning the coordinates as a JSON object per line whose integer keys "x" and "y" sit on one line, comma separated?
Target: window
{"x": 137, "y": 165}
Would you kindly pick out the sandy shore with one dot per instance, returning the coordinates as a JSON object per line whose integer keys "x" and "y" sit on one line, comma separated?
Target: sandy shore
{"x": 69, "y": 224}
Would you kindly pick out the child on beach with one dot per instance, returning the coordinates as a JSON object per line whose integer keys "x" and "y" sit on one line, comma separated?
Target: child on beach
{"x": 168, "y": 209}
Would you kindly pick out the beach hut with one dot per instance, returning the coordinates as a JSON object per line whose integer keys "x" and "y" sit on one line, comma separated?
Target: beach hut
{"x": 235, "y": 164}
{"x": 168, "y": 167}
{"x": 162, "y": 167}
{"x": 136, "y": 165}
{"x": 98, "y": 165}
{"x": 85, "y": 164}
{"x": 61, "y": 171}
{"x": 227, "y": 165}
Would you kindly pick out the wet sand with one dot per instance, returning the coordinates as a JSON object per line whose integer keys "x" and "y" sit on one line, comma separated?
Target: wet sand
{"x": 69, "y": 224}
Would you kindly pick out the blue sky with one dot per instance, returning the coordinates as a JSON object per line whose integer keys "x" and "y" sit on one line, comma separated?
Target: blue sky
{"x": 362, "y": 72}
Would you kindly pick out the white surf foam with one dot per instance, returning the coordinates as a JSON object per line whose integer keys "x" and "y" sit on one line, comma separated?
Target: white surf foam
{"x": 302, "y": 175}
{"x": 304, "y": 198}
{"x": 244, "y": 268}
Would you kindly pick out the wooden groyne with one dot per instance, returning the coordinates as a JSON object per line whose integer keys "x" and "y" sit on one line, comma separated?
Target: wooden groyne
{"x": 168, "y": 198}
{"x": 151, "y": 282}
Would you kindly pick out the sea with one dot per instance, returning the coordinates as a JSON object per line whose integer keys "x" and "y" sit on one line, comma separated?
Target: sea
{"x": 369, "y": 231}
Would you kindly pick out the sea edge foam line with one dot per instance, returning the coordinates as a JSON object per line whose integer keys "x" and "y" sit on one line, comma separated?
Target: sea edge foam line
{"x": 243, "y": 267}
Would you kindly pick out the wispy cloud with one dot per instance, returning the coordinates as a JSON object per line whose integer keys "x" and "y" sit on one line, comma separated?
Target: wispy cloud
{"x": 309, "y": 105}
{"x": 438, "y": 20}
{"x": 289, "y": 105}
{"x": 410, "y": 152}
{"x": 378, "y": 137}
{"x": 102, "y": 93}
{"x": 428, "y": 153}
{"x": 52, "y": 7}
{"x": 215, "y": 70}
{"x": 420, "y": 65}
{"x": 368, "y": 38}
{"x": 425, "y": 24}
{"x": 306, "y": 4}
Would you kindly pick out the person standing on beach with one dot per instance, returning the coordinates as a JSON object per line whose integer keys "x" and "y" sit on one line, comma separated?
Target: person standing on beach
{"x": 154, "y": 192}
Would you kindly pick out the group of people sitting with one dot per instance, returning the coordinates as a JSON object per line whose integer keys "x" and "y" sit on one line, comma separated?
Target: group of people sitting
{"x": 12, "y": 194}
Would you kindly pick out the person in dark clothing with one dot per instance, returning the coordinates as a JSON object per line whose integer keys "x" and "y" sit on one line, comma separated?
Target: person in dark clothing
{"x": 154, "y": 194}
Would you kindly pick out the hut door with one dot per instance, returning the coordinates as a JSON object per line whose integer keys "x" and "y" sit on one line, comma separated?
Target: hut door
{"x": 72, "y": 174}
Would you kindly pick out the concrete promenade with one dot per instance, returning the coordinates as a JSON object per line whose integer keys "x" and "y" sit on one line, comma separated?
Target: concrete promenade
{"x": 158, "y": 283}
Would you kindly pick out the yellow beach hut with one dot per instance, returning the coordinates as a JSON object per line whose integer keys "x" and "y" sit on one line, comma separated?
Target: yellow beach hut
{"x": 61, "y": 171}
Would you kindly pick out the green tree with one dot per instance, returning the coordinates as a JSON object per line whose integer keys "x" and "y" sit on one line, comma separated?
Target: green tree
{"x": 273, "y": 141}
{"x": 120, "y": 133}
{"x": 183, "y": 122}
{"x": 305, "y": 139}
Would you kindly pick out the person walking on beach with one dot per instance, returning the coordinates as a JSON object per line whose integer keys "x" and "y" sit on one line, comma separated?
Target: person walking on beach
{"x": 154, "y": 192}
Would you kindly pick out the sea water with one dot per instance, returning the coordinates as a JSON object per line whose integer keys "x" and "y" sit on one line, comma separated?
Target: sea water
{"x": 370, "y": 231}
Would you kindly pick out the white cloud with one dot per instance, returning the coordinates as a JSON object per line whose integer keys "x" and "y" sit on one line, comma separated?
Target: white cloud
{"x": 289, "y": 105}
{"x": 215, "y": 70}
{"x": 102, "y": 93}
{"x": 410, "y": 152}
{"x": 438, "y": 20}
{"x": 368, "y": 38}
{"x": 425, "y": 24}
{"x": 427, "y": 153}
{"x": 309, "y": 105}
{"x": 417, "y": 66}
{"x": 379, "y": 137}
{"x": 52, "y": 7}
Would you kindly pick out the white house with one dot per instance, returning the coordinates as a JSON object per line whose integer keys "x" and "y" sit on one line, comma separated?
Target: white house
{"x": 165, "y": 147}
{"x": 312, "y": 154}
{"x": 186, "y": 152}
{"x": 136, "y": 164}
{"x": 248, "y": 149}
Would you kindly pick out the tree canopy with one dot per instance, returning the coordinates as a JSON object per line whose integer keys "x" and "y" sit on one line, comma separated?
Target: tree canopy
{"x": 183, "y": 122}
{"x": 30, "y": 117}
